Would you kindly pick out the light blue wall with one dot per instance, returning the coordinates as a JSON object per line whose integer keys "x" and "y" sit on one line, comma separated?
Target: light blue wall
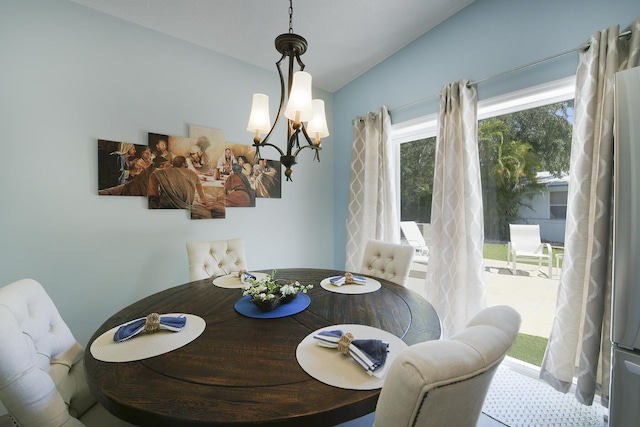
{"x": 70, "y": 76}
{"x": 484, "y": 39}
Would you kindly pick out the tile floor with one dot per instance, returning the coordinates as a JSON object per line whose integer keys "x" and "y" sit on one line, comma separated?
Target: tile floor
{"x": 367, "y": 421}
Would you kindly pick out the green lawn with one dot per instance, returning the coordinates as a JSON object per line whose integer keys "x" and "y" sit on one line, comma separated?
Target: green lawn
{"x": 498, "y": 251}
{"x": 529, "y": 348}
{"x": 495, "y": 251}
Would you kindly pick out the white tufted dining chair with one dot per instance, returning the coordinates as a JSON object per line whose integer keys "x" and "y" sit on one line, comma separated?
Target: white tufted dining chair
{"x": 42, "y": 377}
{"x": 388, "y": 261}
{"x": 445, "y": 382}
{"x": 213, "y": 258}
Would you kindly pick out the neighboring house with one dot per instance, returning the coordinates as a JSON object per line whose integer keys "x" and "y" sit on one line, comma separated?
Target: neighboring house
{"x": 549, "y": 209}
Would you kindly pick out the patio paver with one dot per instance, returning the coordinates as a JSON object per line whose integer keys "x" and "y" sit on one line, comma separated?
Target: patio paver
{"x": 530, "y": 292}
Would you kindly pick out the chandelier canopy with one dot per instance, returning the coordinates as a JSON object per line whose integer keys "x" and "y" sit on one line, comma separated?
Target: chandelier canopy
{"x": 299, "y": 107}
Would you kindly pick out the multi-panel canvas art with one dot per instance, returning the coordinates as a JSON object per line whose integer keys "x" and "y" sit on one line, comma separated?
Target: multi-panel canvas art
{"x": 201, "y": 173}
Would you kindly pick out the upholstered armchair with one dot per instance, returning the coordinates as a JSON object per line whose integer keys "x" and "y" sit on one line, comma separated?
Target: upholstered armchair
{"x": 388, "y": 261}
{"x": 42, "y": 378}
{"x": 445, "y": 382}
{"x": 213, "y": 258}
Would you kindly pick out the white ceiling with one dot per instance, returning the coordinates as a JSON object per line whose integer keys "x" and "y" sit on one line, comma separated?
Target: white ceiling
{"x": 346, "y": 37}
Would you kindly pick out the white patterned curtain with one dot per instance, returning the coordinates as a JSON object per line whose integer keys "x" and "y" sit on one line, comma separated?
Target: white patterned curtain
{"x": 580, "y": 343}
{"x": 372, "y": 201}
{"x": 455, "y": 273}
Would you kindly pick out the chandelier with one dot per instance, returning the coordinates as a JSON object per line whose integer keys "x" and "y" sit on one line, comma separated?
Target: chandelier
{"x": 299, "y": 108}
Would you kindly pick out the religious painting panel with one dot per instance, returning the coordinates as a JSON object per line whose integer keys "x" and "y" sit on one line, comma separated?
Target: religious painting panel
{"x": 119, "y": 165}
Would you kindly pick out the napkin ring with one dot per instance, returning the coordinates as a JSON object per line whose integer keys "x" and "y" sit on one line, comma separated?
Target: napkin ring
{"x": 241, "y": 272}
{"x": 348, "y": 278}
{"x": 152, "y": 324}
{"x": 344, "y": 343}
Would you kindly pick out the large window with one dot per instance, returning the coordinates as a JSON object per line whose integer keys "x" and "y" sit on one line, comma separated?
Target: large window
{"x": 520, "y": 136}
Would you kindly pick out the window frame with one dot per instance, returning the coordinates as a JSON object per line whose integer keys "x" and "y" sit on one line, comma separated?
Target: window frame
{"x": 427, "y": 126}
{"x": 565, "y": 204}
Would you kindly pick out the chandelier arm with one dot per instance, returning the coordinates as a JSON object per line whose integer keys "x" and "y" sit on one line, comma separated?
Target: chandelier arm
{"x": 293, "y": 139}
{"x": 282, "y": 92}
{"x": 280, "y": 107}
{"x": 289, "y": 160}
{"x": 300, "y": 63}
{"x": 313, "y": 147}
{"x": 310, "y": 144}
{"x": 306, "y": 136}
{"x": 265, "y": 144}
{"x": 293, "y": 127}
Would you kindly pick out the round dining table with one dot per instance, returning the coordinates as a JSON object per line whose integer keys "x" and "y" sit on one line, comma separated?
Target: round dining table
{"x": 243, "y": 370}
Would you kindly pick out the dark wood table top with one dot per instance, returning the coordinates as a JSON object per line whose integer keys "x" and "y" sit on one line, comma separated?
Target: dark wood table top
{"x": 243, "y": 371}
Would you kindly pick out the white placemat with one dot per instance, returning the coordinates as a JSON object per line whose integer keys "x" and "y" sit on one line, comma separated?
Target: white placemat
{"x": 331, "y": 367}
{"x": 372, "y": 285}
{"x": 145, "y": 345}
{"x": 232, "y": 280}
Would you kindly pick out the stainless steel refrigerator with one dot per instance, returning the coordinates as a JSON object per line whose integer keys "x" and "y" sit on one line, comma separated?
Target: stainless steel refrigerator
{"x": 624, "y": 403}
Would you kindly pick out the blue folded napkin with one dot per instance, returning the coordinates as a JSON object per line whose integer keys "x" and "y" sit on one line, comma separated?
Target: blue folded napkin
{"x": 341, "y": 280}
{"x": 369, "y": 353}
{"x": 244, "y": 276}
{"x": 135, "y": 327}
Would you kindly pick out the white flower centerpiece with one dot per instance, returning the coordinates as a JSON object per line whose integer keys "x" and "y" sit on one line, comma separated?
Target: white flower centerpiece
{"x": 267, "y": 293}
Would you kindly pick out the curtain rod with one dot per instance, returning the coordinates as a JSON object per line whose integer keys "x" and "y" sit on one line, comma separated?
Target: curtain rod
{"x": 513, "y": 70}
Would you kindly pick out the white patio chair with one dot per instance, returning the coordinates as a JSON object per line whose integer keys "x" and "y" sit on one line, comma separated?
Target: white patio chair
{"x": 415, "y": 238}
{"x": 525, "y": 244}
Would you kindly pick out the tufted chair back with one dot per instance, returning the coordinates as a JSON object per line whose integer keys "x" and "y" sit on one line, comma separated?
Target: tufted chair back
{"x": 388, "y": 261}
{"x": 445, "y": 382}
{"x": 42, "y": 378}
{"x": 213, "y": 258}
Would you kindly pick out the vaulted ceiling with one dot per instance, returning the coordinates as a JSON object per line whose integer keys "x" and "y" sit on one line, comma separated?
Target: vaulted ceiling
{"x": 346, "y": 37}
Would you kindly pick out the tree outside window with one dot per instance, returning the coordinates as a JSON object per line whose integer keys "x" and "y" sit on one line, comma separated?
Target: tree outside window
{"x": 513, "y": 148}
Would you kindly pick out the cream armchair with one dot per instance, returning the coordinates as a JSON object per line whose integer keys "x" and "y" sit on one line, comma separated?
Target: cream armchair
{"x": 42, "y": 378}
{"x": 445, "y": 382}
{"x": 388, "y": 261}
{"x": 213, "y": 258}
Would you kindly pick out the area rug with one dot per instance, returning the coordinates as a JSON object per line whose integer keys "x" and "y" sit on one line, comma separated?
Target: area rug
{"x": 516, "y": 400}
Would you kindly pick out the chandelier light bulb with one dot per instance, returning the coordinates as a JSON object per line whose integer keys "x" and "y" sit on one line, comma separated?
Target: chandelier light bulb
{"x": 299, "y": 107}
{"x": 259, "y": 121}
{"x": 317, "y": 126}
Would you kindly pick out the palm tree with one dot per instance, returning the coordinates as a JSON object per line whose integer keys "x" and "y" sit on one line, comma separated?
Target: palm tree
{"x": 508, "y": 171}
